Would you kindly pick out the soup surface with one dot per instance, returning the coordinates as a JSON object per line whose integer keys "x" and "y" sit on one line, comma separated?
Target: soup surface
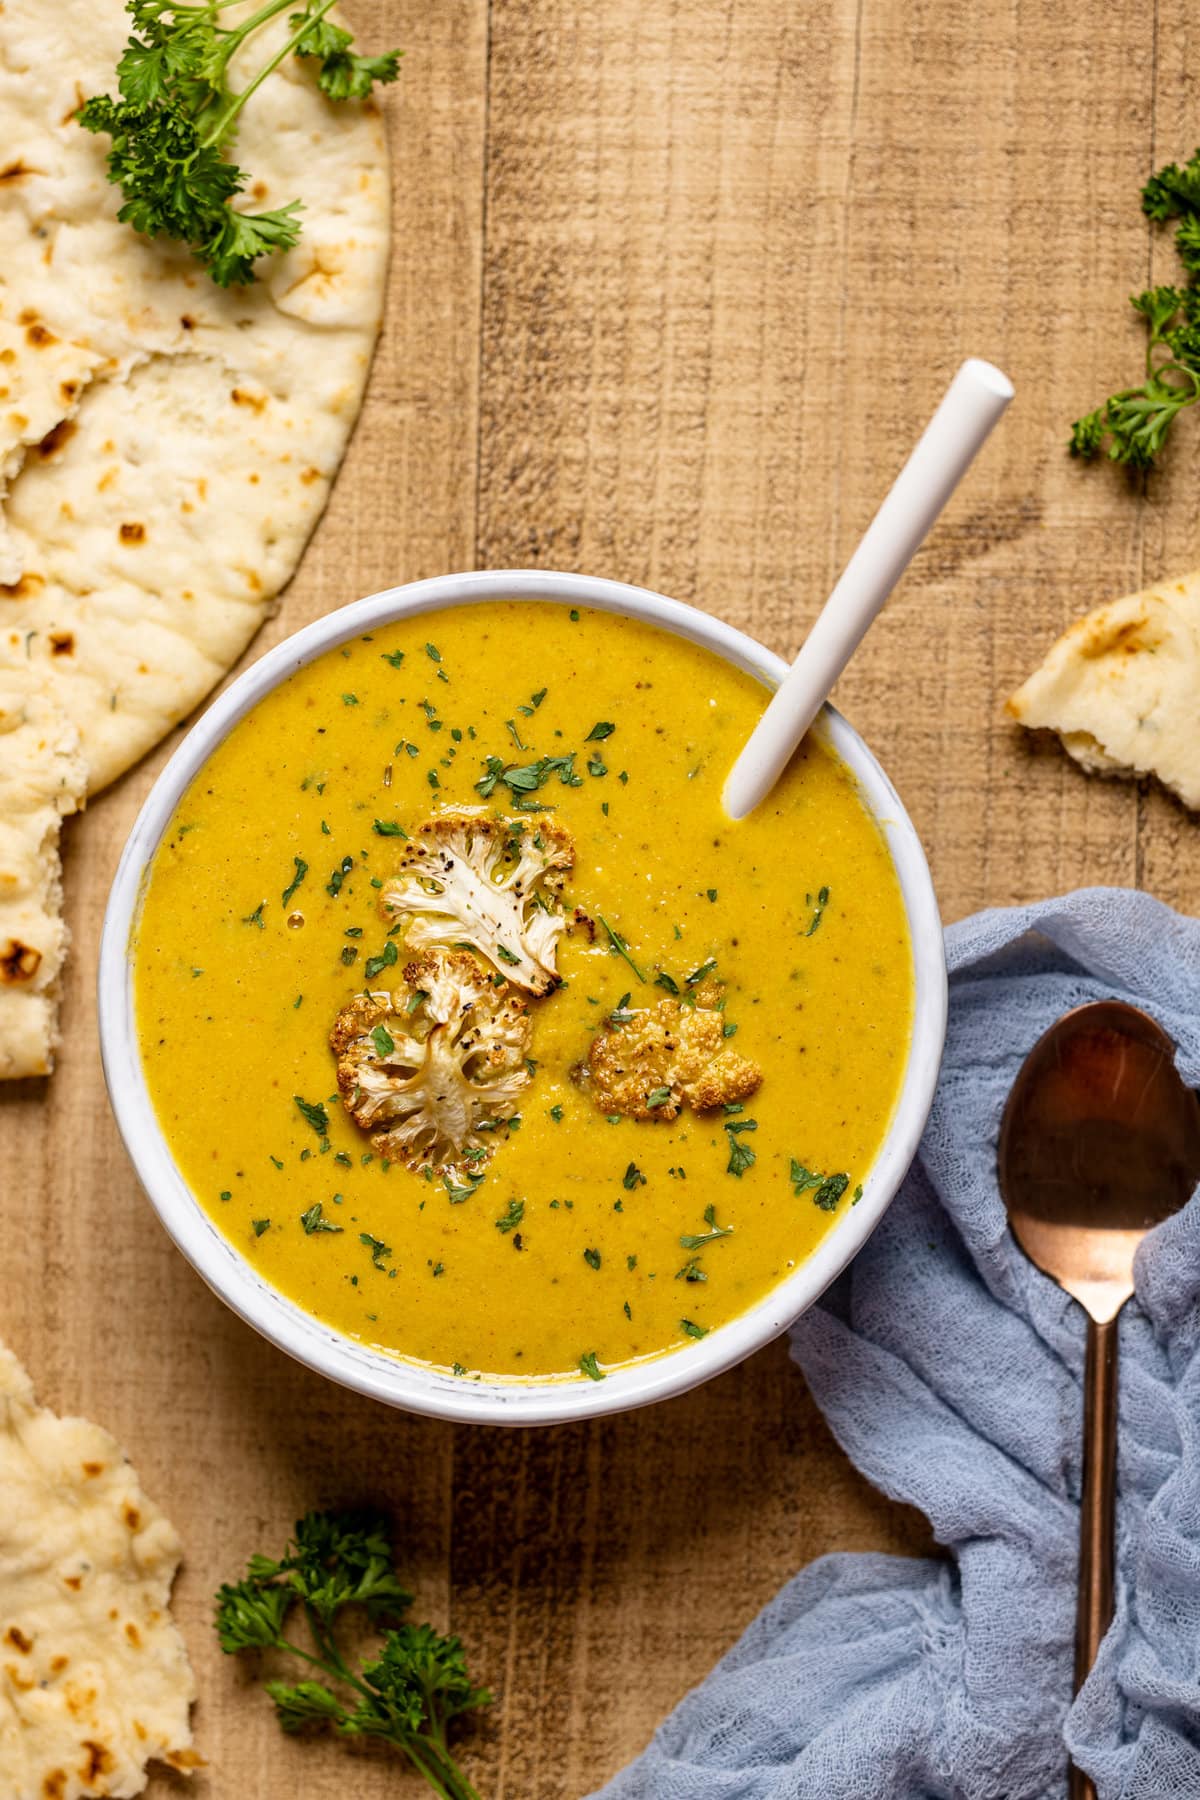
{"x": 573, "y": 1238}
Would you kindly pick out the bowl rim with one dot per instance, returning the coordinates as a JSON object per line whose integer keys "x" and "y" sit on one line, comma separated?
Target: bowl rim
{"x": 413, "y": 1386}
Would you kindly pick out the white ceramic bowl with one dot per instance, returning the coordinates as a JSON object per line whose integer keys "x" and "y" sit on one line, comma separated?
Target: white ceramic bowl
{"x": 410, "y": 1385}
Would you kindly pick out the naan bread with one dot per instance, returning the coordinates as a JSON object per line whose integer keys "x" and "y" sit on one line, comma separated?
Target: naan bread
{"x": 1122, "y": 688}
{"x": 165, "y": 447}
{"x": 94, "y": 1677}
{"x": 42, "y": 776}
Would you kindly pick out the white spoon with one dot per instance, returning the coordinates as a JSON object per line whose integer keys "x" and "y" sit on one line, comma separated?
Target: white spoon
{"x": 970, "y": 407}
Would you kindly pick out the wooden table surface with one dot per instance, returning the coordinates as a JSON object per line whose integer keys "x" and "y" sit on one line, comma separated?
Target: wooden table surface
{"x": 675, "y": 284}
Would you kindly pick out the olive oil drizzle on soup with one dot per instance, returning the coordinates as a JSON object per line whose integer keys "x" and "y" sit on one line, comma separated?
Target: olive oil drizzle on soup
{"x": 591, "y": 1240}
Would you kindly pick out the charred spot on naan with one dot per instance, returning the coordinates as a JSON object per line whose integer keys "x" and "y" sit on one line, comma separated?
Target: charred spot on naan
{"x": 18, "y": 962}
{"x": 56, "y": 437}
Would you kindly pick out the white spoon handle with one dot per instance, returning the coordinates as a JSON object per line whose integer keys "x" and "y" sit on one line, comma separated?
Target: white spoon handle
{"x": 970, "y": 407}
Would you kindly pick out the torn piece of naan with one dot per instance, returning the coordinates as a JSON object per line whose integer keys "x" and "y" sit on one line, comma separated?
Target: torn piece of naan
{"x": 1121, "y": 687}
{"x": 94, "y": 1677}
{"x": 43, "y": 777}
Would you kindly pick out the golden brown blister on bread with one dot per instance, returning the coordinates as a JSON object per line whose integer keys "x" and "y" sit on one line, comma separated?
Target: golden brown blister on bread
{"x": 1121, "y": 687}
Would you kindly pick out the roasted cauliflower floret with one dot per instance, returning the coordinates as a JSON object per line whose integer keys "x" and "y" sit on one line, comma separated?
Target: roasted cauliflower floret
{"x": 492, "y": 885}
{"x": 431, "y": 1069}
{"x": 666, "y": 1057}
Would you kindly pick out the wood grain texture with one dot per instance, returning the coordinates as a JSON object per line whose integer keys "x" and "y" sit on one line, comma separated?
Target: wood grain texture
{"x": 675, "y": 284}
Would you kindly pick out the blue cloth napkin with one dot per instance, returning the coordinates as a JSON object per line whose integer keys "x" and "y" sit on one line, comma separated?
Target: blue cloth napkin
{"x": 950, "y": 1371}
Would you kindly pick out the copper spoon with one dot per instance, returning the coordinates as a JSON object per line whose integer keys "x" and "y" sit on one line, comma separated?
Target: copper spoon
{"x": 1100, "y": 1141}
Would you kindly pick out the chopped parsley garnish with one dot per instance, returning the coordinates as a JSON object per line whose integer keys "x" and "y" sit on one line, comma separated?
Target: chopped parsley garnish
{"x": 587, "y": 1363}
{"x": 663, "y": 980}
{"x": 621, "y": 1013}
{"x": 390, "y": 828}
{"x": 315, "y": 1114}
{"x": 375, "y": 965}
{"x": 379, "y": 1250}
{"x": 333, "y": 886}
{"x": 556, "y": 1114}
{"x": 506, "y": 955}
{"x": 619, "y": 947}
{"x": 697, "y": 975}
{"x": 692, "y": 1330}
{"x": 632, "y": 1178}
{"x": 433, "y": 653}
{"x": 256, "y": 917}
{"x": 509, "y": 1220}
{"x": 260, "y": 1225}
{"x": 349, "y": 699}
{"x": 603, "y": 728}
{"x": 383, "y": 1040}
{"x": 349, "y": 954}
{"x": 819, "y": 910}
{"x": 660, "y": 1096}
{"x": 515, "y": 735}
{"x": 526, "y": 779}
{"x": 314, "y": 1220}
{"x": 460, "y": 1191}
{"x": 741, "y": 1156}
{"x": 297, "y": 878}
{"x": 395, "y": 657}
{"x": 695, "y": 1241}
{"x": 592, "y": 1258}
{"x": 826, "y": 1190}
{"x": 691, "y": 1271}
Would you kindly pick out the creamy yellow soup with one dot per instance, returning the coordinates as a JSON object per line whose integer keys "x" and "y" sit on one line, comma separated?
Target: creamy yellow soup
{"x": 583, "y": 1240}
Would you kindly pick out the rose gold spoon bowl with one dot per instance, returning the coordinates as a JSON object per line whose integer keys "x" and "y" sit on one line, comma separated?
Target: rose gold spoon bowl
{"x": 1100, "y": 1142}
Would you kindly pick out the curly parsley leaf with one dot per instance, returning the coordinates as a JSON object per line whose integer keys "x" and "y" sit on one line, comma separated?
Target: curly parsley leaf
{"x": 177, "y": 115}
{"x": 1132, "y": 426}
{"x": 407, "y": 1695}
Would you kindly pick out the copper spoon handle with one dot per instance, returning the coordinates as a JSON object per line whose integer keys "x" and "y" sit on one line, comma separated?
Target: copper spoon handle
{"x": 1097, "y": 1513}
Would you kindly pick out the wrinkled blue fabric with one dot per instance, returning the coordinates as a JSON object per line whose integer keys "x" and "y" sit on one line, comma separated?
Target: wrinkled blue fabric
{"x": 950, "y": 1371}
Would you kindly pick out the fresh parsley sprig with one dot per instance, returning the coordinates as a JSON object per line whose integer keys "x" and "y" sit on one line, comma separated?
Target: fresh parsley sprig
{"x": 177, "y": 116}
{"x": 412, "y": 1690}
{"x": 1132, "y": 426}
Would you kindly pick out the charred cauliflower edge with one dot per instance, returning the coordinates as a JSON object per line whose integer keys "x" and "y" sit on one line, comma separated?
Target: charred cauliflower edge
{"x": 673, "y": 1054}
{"x": 456, "y": 885}
{"x": 455, "y": 1071}
{"x": 435, "y": 1068}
